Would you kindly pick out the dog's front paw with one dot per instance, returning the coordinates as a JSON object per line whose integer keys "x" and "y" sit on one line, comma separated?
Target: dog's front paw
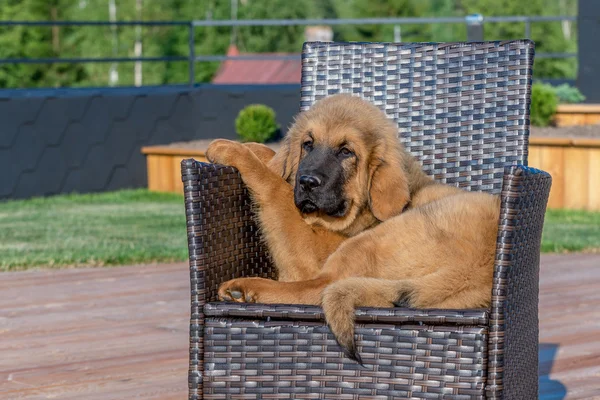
{"x": 241, "y": 290}
{"x": 226, "y": 152}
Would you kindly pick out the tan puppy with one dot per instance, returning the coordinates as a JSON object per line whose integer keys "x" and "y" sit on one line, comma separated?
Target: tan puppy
{"x": 351, "y": 220}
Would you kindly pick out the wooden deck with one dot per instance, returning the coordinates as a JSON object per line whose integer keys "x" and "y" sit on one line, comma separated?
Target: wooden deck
{"x": 121, "y": 333}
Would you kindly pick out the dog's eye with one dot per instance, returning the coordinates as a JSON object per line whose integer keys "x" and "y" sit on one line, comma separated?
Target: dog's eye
{"x": 308, "y": 145}
{"x": 346, "y": 152}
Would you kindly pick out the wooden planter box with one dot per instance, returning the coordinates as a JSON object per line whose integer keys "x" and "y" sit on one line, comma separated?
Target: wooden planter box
{"x": 573, "y": 163}
{"x": 575, "y": 168}
{"x": 577, "y": 114}
{"x": 164, "y": 166}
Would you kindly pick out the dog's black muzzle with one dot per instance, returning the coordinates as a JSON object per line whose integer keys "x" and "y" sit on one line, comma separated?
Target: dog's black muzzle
{"x": 320, "y": 184}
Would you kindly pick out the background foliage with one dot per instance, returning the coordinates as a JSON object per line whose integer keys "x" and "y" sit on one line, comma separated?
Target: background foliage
{"x": 256, "y": 123}
{"x": 543, "y": 104}
{"x": 23, "y": 42}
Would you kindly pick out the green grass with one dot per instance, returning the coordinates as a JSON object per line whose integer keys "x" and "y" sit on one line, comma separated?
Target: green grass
{"x": 570, "y": 231}
{"x": 137, "y": 226}
{"x": 125, "y": 227}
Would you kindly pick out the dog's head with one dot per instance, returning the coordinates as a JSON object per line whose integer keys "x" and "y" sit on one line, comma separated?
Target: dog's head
{"x": 344, "y": 160}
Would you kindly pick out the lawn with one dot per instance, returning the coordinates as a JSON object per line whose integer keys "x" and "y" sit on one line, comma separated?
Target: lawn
{"x": 137, "y": 226}
{"x": 125, "y": 227}
{"x": 569, "y": 231}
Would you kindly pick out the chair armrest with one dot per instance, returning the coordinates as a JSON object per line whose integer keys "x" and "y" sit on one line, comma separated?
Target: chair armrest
{"x": 513, "y": 333}
{"x": 223, "y": 239}
{"x": 223, "y": 244}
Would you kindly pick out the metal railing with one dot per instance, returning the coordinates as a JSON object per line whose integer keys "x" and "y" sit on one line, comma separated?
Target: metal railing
{"x": 474, "y": 32}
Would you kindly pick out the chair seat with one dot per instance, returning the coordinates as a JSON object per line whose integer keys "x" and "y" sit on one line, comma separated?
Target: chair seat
{"x": 287, "y": 351}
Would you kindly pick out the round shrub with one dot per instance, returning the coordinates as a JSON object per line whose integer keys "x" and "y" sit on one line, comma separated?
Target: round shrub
{"x": 256, "y": 123}
{"x": 568, "y": 94}
{"x": 543, "y": 104}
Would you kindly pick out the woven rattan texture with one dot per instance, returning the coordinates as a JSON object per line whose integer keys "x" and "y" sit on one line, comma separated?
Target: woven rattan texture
{"x": 513, "y": 346}
{"x": 291, "y": 360}
{"x": 363, "y": 314}
{"x": 223, "y": 244}
{"x": 462, "y": 108}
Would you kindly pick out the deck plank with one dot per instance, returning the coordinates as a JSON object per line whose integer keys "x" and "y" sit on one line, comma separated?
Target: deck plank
{"x": 122, "y": 333}
{"x": 104, "y": 333}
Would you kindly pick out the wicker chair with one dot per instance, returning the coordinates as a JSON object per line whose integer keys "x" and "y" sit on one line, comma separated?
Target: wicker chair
{"x": 463, "y": 110}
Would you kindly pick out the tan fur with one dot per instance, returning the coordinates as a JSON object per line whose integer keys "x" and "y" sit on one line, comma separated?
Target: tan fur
{"x": 405, "y": 238}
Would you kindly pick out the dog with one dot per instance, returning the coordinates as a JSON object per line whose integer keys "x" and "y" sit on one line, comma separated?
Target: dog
{"x": 351, "y": 219}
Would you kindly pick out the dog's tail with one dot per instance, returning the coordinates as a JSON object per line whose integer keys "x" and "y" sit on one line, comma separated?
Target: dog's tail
{"x": 342, "y": 297}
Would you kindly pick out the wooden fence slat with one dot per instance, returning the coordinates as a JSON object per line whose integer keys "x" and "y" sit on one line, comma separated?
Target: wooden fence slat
{"x": 160, "y": 173}
{"x": 153, "y": 164}
{"x": 553, "y": 162}
{"x": 535, "y": 158}
{"x": 177, "y": 183}
{"x": 576, "y": 178}
{"x": 594, "y": 180}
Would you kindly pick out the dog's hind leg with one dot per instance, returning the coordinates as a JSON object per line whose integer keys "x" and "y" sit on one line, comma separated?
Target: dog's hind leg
{"x": 442, "y": 289}
{"x": 449, "y": 289}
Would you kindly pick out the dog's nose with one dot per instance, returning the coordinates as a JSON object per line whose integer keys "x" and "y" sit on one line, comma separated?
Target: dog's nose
{"x": 309, "y": 182}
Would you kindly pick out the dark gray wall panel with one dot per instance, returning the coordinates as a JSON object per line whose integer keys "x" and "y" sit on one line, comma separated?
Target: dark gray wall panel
{"x": 588, "y": 27}
{"x": 86, "y": 140}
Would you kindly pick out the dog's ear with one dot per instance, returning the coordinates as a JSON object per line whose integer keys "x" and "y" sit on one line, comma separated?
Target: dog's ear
{"x": 388, "y": 190}
{"x": 285, "y": 162}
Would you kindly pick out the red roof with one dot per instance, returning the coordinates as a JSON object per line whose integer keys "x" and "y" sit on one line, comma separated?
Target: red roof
{"x": 258, "y": 71}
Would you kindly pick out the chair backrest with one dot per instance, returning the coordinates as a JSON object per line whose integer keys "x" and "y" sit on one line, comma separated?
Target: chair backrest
{"x": 462, "y": 108}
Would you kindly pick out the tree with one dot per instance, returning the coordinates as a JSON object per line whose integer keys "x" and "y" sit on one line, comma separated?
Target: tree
{"x": 550, "y": 37}
{"x": 36, "y": 42}
{"x": 382, "y": 9}
{"x": 258, "y": 39}
{"x": 99, "y": 41}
